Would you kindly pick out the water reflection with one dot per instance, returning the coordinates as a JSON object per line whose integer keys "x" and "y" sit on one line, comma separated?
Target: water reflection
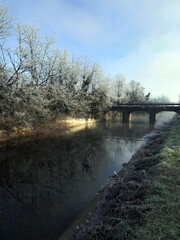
{"x": 45, "y": 184}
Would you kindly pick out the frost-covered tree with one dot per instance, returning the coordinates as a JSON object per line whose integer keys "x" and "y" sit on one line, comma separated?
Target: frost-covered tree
{"x": 120, "y": 88}
{"x": 39, "y": 82}
{"x": 161, "y": 99}
{"x": 5, "y": 30}
{"x": 5, "y": 21}
{"x": 35, "y": 54}
{"x": 99, "y": 95}
{"x": 135, "y": 92}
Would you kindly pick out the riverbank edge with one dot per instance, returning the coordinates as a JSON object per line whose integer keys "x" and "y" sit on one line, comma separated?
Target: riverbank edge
{"x": 107, "y": 219}
{"x": 59, "y": 126}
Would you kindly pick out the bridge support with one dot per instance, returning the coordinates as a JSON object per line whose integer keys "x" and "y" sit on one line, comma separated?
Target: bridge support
{"x": 125, "y": 117}
{"x": 152, "y": 117}
{"x": 114, "y": 116}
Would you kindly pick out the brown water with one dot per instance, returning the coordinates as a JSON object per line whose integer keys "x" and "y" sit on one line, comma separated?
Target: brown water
{"x": 45, "y": 184}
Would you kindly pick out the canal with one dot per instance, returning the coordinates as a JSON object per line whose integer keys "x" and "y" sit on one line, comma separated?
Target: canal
{"x": 45, "y": 184}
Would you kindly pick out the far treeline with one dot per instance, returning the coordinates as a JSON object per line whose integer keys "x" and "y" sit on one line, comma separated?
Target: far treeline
{"x": 40, "y": 82}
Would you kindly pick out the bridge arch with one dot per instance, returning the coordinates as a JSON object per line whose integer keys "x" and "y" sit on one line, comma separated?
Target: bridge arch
{"x": 165, "y": 115}
{"x": 126, "y": 116}
{"x": 139, "y": 116}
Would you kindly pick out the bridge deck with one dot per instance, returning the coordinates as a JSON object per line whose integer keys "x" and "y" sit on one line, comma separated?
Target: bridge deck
{"x": 148, "y": 107}
{"x": 147, "y": 104}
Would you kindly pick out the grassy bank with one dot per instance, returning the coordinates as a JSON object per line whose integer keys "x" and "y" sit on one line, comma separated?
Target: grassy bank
{"x": 163, "y": 195}
{"x": 143, "y": 202}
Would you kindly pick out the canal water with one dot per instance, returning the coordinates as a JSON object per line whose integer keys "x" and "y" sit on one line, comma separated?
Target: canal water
{"x": 45, "y": 184}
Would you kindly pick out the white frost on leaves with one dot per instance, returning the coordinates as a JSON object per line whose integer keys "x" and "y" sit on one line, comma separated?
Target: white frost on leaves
{"x": 39, "y": 81}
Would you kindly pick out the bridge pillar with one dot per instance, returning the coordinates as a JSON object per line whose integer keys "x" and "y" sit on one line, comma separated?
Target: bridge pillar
{"x": 125, "y": 117}
{"x": 114, "y": 115}
{"x": 152, "y": 117}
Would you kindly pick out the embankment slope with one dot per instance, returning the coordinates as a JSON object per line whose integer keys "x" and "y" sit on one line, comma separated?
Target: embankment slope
{"x": 143, "y": 200}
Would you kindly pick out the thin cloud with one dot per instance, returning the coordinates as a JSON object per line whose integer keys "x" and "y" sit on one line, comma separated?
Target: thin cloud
{"x": 155, "y": 63}
{"x": 67, "y": 19}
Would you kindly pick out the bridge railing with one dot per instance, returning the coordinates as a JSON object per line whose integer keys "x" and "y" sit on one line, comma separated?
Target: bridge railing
{"x": 147, "y": 104}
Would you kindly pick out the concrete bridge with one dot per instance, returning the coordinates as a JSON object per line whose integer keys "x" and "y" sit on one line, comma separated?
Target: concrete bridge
{"x": 151, "y": 108}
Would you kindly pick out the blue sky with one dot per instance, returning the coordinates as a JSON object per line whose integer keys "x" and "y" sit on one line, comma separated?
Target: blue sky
{"x": 138, "y": 38}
